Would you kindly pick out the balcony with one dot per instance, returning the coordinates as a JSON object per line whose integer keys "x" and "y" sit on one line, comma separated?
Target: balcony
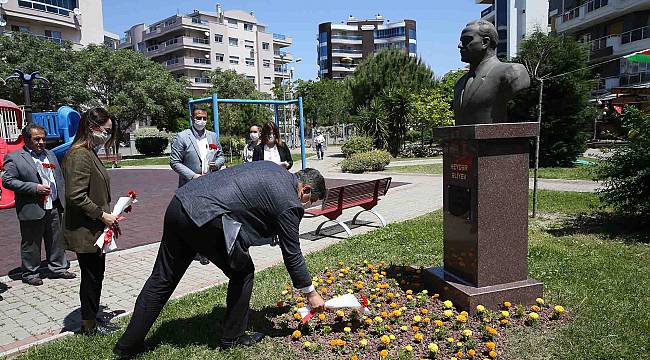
{"x": 347, "y": 39}
{"x": 188, "y": 62}
{"x": 620, "y": 44}
{"x": 200, "y": 82}
{"x": 597, "y": 11}
{"x": 351, "y": 53}
{"x": 282, "y": 39}
{"x": 343, "y": 67}
{"x": 488, "y": 13}
{"x": 33, "y": 11}
{"x": 180, "y": 23}
{"x": 177, "y": 43}
{"x": 282, "y": 55}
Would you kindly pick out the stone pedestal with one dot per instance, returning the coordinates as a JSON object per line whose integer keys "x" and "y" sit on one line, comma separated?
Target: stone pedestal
{"x": 485, "y": 181}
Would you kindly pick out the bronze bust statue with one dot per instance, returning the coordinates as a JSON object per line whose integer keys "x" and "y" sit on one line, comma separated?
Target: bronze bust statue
{"x": 481, "y": 95}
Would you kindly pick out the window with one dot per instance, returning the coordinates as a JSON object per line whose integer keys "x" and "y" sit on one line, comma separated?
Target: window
{"x": 218, "y": 38}
{"x": 234, "y": 60}
{"x": 386, "y": 33}
{"x": 248, "y": 27}
{"x": 232, "y": 23}
{"x": 412, "y": 34}
{"x": 171, "y": 41}
{"x": 267, "y": 80}
{"x": 266, "y": 63}
{"x": 251, "y": 78}
{"x": 19, "y": 28}
{"x": 250, "y": 61}
{"x": 322, "y": 37}
{"x": 53, "y": 34}
{"x": 198, "y": 40}
{"x": 413, "y": 48}
{"x": 266, "y": 46}
{"x": 249, "y": 44}
{"x": 201, "y": 61}
{"x": 219, "y": 57}
{"x": 233, "y": 41}
{"x": 60, "y": 7}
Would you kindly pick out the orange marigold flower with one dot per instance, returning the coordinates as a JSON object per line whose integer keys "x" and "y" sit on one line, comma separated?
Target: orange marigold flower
{"x": 296, "y": 334}
{"x": 507, "y": 304}
{"x": 471, "y": 352}
{"x": 418, "y": 337}
{"x": 424, "y": 311}
{"x": 297, "y": 316}
{"x": 491, "y": 330}
{"x": 493, "y": 354}
{"x": 505, "y": 321}
{"x": 354, "y": 357}
{"x": 340, "y": 313}
{"x": 321, "y": 317}
{"x": 459, "y": 354}
{"x": 383, "y": 314}
{"x": 300, "y": 304}
{"x": 438, "y": 322}
{"x": 490, "y": 345}
{"x": 535, "y": 308}
{"x": 416, "y": 328}
{"x": 362, "y": 334}
{"x": 385, "y": 339}
{"x": 383, "y": 353}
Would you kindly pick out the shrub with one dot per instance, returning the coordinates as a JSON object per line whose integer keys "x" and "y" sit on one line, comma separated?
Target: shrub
{"x": 375, "y": 160}
{"x": 626, "y": 174}
{"x": 417, "y": 150}
{"x": 232, "y": 142}
{"x": 151, "y": 141}
{"x": 356, "y": 144}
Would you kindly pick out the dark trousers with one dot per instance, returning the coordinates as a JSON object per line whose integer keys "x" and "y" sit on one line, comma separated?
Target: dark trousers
{"x": 48, "y": 231}
{"x": 92, "y": 267}
{"x": 319, "y": 151}
{"x": 181, "y": 240}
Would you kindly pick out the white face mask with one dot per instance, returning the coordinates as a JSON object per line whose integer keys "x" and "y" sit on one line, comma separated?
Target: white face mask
{"x": 100, "y": 138}
{"x": 200, "y": 124}
{"x": 255, "y": 136}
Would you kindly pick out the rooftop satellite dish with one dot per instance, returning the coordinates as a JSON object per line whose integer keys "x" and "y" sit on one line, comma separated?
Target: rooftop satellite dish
{"x": 76, "y": 11}
{"x": 3, "y": 23}
{"x": 207, "y": 33}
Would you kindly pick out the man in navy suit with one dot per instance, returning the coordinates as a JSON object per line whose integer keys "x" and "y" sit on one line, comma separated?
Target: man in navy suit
{"x": 255, "y": 203}
{"x": 34, "y": 175}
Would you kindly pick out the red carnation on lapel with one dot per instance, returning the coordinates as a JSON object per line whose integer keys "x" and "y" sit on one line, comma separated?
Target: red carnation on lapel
{"x": 214, "y": 147}
{"x": 49, "y": 166}
{"x": 132, "y": 194}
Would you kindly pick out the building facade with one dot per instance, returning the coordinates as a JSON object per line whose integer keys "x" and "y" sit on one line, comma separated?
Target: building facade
{"x": 610, "y": 29}
{"x": 514, "y": 20}
{"x": 193, "y": 44}
{"x": 78, "y": 21}
{"x": 341, "y": 47}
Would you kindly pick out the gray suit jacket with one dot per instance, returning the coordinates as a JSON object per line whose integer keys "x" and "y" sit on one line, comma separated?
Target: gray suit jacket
{"x": 260, "y": 195}
{"x": 21, "y": 177}
{"x": 185, "y": 159}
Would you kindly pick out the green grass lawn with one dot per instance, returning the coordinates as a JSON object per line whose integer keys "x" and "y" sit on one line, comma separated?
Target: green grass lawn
{"x": 164, "y": 160}
{"x": 599, "y": 272}
{"x": 580, "y": 172}
{"x": 432, "y": 169}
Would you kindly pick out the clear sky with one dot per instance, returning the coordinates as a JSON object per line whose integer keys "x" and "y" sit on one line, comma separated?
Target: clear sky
{"x": 439, "y": 22}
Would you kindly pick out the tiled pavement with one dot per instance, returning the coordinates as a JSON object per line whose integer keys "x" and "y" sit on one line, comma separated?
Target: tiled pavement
{"x": 31, "y": 315}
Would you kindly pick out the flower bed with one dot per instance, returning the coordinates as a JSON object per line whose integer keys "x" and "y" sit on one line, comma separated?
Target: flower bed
{"x": 403, "y": 320}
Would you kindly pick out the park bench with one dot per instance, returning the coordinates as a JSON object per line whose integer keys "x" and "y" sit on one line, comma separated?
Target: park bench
{"x": 113, "y": 158}
{"x": 364, "y": 194}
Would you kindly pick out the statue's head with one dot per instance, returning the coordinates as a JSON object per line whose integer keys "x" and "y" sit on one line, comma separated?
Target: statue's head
{"x": 478, "y": 39}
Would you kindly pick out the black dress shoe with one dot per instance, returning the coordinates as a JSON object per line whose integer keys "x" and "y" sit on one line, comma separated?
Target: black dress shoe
{"x": 35, "y": 281}
{"x": 244, "y": 340}
{"x": 63, "y": 275}
{"x": 202, "y": 259}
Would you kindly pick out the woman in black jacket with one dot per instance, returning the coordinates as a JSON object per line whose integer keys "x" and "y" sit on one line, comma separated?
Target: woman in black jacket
{"x": 272, "y": 148}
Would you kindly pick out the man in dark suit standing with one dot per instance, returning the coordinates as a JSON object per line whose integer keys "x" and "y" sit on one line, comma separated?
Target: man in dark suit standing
{"x": 481, "y": 96}
{"x": 34, "y": 175}
{"x": 221, "y": 215}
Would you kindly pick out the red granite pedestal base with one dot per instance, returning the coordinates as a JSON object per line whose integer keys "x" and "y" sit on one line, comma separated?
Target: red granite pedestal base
{"x": 466, "y": 297}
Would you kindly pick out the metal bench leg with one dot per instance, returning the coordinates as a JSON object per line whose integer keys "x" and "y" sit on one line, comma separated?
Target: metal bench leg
{"x": 378, "y": 215}
{"x": 345, "y": 227}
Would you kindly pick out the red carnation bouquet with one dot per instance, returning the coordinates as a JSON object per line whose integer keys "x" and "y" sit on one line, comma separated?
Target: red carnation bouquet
{"x": 44, "y": 173}
{"x": 106, "y": 241}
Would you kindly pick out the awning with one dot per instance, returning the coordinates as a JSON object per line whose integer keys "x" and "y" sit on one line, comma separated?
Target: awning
{"x": 642, "y": 56}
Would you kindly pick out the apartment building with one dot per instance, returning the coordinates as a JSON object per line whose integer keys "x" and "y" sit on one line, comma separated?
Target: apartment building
{"x": 514, "y": 20}
{"x": 78, "y": 21}
{"x": 342, "y": 46}
{"x": 191, "y": 45}
{"x": 611, "y": 29}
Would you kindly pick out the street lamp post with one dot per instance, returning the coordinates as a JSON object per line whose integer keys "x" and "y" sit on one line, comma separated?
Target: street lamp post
{"x": 27, "y": 80}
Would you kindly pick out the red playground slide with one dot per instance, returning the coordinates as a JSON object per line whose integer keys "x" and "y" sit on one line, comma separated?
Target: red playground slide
{"x": 7, "y": 196}
{"x": 11, "y": 121}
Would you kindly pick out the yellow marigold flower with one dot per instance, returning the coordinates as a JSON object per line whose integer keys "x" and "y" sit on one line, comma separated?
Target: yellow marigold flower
{"x": 300, "y": 304}
{"x": 447, "y": 304}
{"x": 418, "y": 337}
{"x": 464, "y": 313}
{"x": 378, "y": 319}
{"x": 408, "y": 348}
{"x": 409, "y": 297}
{"x": 347, "y": 329}
{"x": 459, "y": 344}
{"x": 425, "y": 292}
{"x": 350, "y": 291}
{"x": 433, "y": 348}
{"x": 391, "y": 336}
{"x": 404, "y": 328}
{"x": 409, "y": 292}
{"x": 453, "y": 358}
{"x": 438, "y": 322}
{"x": 493, "y": 354}
{"x": 383, "y": 353}
{"x": 296, "y": 334}
{"x": 490, "y": 345}
{"x": 461, "y": 318}
{"x": 505, "y": 314}
{"x": 535, "y": 308}
{"x": 505, "y": 321}
{"x": 533, "y": 316}
{"x": 297, "y": 316}
{"x": 378, "y": 305}
{"x": 363, "y": 342}
{"x": 558, "y": 309}
{"x": 426, "y": 320}
{"x": 284, "y": 292}
{"x": 448, "y": 313}
{"x": 321, "y": 317}
{"x": 467, "y": 333}
{"x": 397, "y": 313}
{"x": 390, "y": 295}
{"x": 340, "y": 313}
{"x": 480, "y": 308}
{"x": 539, "y": 301}
{"x": 471, "y": 352}
{"x": 450, "y": 339}
{"x": 507, "y": 304}
{"x": 385, "y": 339}
{"x": 306, "y": 344}
{"x": 424, "y": 311}
{"x": 368, "y": 321}
{"x": 417, "y": 318}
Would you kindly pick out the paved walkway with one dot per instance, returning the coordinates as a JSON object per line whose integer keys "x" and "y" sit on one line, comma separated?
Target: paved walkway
{"x": 32, "y": 315}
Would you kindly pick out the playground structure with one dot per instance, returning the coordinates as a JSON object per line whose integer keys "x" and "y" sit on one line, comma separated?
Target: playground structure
{"x": 215, "y": 101}
{"x": 60, "y": 126}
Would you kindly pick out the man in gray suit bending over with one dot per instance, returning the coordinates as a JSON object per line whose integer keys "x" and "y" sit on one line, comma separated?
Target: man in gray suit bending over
{"x": 34, "y": 175}
{"x": 481, "y": 96}
{"x": 247, "y": 210}
{"x": 196, "y": 152}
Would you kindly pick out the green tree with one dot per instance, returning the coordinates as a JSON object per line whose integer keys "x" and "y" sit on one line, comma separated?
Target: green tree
{"x": 325, "y": 102}
{"x": 431, "y": 108}
{"x": 388, "y": 69}
{"x": 236, "y": 119}
{"x": 372, "y": 122}
{"x": 397, "y": 102}
{"x": 448, "y": 82}
{"x": 566, "y": 111}
{"x": 132, "y": 87}
{"x": 57, "y": 62}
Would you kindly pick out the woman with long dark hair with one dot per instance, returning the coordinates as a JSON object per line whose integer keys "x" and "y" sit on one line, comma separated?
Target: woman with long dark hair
{"x": 272, "y": 148}
{"x": 87, "y": 210}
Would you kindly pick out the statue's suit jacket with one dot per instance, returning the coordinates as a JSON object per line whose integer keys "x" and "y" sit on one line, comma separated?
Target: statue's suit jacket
{"x": 485, "y": 100}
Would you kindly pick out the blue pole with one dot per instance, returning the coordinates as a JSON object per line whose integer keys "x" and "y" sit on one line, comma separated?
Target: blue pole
{"x": 302, "y": 134}
{"x": 215, "y": 114}
{"x": 190, "y": 106}
{"x": 277, "y": 116}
